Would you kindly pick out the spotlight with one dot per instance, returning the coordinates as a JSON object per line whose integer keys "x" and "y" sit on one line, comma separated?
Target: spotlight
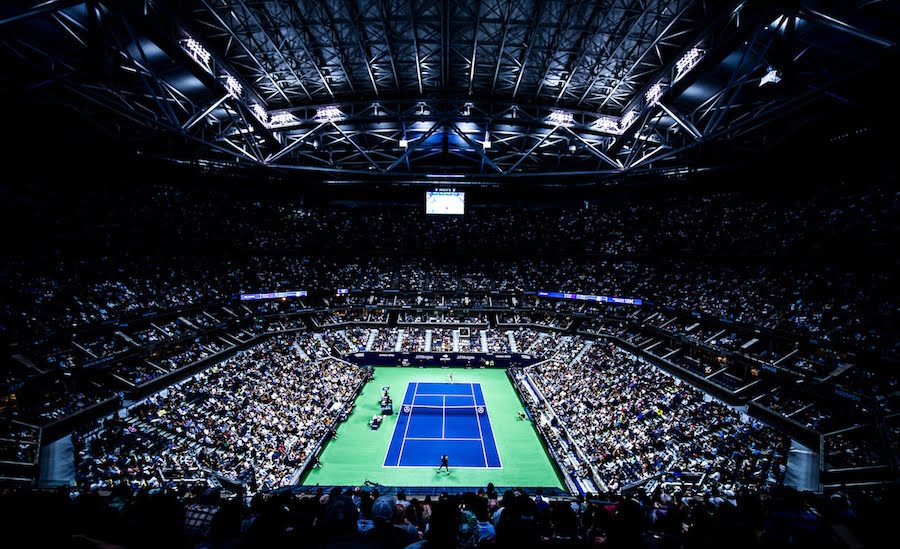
{"x": 404, "y": 143}
{"x": 282, "y": 119}
{"x": 607, "y": 124}
{"x": 260, "y": 112}
{"x": 628, "y": 120}
{"x": 773, "y": 76}
{"x": 233, "y": 87}
{"x": 561, "y": 118}
{"x": 688, "y": 61}
{"x": 329, "y": 113}
{"x": 654, "y": 94}
{"x": 197, "y": 52}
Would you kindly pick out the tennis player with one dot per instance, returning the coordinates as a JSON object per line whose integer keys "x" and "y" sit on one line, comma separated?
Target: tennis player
{"x": 444, "y": 464}
{"x": 451, "y": 377}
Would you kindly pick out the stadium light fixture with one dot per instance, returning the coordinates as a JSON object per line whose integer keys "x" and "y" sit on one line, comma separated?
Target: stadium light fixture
{"x": 282, "y": 119}
{"x": 197, "y": 52}
{"x": 607, "y": 124}
{"x": 329, "y": 113}
{"x": 687, "y": 62}
{"x": 260, "y": 112}
{"x": 654, "y": 94}
{"x": 561, "y": 118}
{"x": 773, "y": 76}
{"x": 233, "y": 87}
{"x": 628, "y": 120}
{"x": 404, "y": 143}
{"x": 486, "y": 144}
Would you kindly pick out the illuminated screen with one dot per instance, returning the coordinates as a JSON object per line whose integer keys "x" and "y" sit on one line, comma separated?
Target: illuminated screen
{"x": 445, "y": 203}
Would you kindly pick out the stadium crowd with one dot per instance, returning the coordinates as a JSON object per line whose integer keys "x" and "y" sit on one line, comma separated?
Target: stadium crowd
{"x": 255, "y": 417}
{"x": 632, "y": 421}
{"x": 670, "y": 515}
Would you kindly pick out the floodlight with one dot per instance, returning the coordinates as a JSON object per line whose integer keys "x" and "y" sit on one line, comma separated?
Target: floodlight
{"x": 607, "y": 124}
{"x": 654, "y": 94}
{"x": 561, "y": 118}
{"x": 260, "y": 112}
{"x": 282, "y": 119}
{"x": 329, "y": 113}
{"x": 233, "y": 87}
{"x": 688, "y": 61}
{"x": 197, "y": 52}
{"x": 628, "y": 120}
{"x": 773, "y": 76}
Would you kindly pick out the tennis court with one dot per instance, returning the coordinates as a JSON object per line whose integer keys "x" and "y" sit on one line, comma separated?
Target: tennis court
{"x": 443, "y": 418}
{"x": 358, "y": 452}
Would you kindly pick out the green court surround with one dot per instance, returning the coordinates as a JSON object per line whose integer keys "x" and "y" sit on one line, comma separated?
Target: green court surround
{"x": 358, "y": 452}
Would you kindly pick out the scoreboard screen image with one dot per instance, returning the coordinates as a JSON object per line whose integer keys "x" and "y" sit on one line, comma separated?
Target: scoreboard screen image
{"x": 445, "y": 203}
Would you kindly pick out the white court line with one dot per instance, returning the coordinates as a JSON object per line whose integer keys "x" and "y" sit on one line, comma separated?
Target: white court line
{"x": 408, "y": 421}
{"x": 481, "y": 439}
{"x": 432, "y": 467}
{"x": 441, "y": 439}
{"x": 478, "y": 421}
{"x": 488, "y": 415}
{"x": 443, "y": 417}
{"x": 439, "y": 395}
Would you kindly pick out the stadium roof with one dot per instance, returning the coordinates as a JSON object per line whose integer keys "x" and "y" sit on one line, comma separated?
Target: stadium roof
{"x": 455, "y": 91}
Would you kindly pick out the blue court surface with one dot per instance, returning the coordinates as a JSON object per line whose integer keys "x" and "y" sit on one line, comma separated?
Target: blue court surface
{"x": 443, "y": 418}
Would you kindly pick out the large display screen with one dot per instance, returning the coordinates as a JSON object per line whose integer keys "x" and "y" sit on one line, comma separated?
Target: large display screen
{"x": 587, "y": 297}
{"x": 273, "y": 295}
{"x": 445, "y": 203}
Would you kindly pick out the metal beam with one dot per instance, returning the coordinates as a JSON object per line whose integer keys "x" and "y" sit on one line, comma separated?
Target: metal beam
{"x": 362, "y": 41}
{"x": 415, "y": 40}
{"x": 414, "y": 146}
{"x": 532, "y": 149}
{"x": 165, "y": 41}
{"x": 583, "y": 42}
{"x": 250, "y": 54}
{"x": 475, "y": 147}
{"x": 835, "y": 23}
{"x": 357, "y": 147}
{"x": 293, "y": 144}
{"x": 472, "y": 62}
{"x": 609, "y": 57}
{"x": 681, "y": 121}
{"x": 328, "y": 14}
{"x": 557, "y": 41}
{"x": 596, "y": 152}
{"x": 278, "y": 49}
{"x": 43, "y": 8}
{"x": 384, "y": 6}
{"x": 505, "y": 25}
{"x": 653, "y": 44}
{"x": 197, "y": 118}
{"x": 445, "y": 43}
{"x": 536, "y": 22}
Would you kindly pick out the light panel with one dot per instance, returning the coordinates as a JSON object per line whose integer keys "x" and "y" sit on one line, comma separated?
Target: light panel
{"x": 654, "y": 94}
{"x": 233, "y": 87}
{"x": 329, "y": 113}
{"x": 561, "y": 118}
